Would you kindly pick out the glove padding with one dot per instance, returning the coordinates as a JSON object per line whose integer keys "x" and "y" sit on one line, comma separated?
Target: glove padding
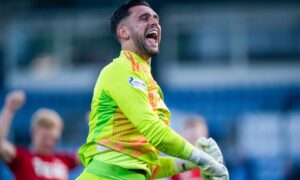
{"x": 207, "y": 163}
{"x": 211, "y": 147}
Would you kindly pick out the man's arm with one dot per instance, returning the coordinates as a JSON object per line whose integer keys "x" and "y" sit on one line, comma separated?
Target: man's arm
{"x": 13, "y": 102}
{"x": 132, "y": 99}
{"x": 171, "y": 166}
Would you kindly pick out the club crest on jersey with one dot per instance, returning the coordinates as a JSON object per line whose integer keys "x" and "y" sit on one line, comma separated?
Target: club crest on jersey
{"x": 137, "y": 83}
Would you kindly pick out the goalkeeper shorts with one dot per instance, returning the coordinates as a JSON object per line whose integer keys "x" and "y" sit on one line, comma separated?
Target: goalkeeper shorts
{"x": 98, "y": 170}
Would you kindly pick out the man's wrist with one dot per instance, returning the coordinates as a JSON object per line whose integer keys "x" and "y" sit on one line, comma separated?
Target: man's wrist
{"x": 181, "y": 165}
{"x": 187, "y": 150}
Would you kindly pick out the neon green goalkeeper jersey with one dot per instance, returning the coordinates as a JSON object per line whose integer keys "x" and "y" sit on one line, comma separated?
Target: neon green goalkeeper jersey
{"x": 129, "y": 117}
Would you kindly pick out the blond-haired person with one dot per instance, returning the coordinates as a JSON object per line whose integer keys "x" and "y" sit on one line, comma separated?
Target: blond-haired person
{"x": 40, "y": 161}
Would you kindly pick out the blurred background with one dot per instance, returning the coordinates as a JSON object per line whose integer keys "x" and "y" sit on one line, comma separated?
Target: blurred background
{"x": 234, "y": 62}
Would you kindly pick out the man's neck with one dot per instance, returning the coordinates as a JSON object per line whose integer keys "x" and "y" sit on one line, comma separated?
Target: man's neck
{"x": 42, "y": 152}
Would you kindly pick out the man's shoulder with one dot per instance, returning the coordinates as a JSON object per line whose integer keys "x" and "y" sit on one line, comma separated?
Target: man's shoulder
{"x": 65, "y": 155}
{"x": 23, "y": 156}
{"x": 117, "y": 67}
{"x": 22, "y": 150}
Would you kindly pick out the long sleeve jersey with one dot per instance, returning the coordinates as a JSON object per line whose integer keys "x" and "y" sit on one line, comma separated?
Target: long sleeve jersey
{"x": 128, "y": 115}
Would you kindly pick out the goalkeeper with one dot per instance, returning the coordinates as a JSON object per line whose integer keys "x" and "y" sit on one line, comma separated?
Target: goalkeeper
{"x": 129, "y": 120}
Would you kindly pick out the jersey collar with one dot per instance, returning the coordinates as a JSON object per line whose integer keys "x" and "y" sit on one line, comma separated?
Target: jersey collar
{"x": 128, "y": 55}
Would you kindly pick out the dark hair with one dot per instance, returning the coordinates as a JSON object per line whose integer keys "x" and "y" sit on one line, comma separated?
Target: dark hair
{"x": 122, "y": 12}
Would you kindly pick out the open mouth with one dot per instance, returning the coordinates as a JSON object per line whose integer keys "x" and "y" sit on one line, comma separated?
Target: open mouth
{"x": 152, "y": 37}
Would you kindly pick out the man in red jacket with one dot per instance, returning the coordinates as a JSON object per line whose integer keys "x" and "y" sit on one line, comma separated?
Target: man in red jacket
{"x": 40, "y": 162}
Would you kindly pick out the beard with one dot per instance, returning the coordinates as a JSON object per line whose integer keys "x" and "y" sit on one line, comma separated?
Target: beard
{"x": 140, "y": 43}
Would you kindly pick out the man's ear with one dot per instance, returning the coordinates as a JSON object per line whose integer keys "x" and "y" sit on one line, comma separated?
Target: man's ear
{"x": 123, "y": 32}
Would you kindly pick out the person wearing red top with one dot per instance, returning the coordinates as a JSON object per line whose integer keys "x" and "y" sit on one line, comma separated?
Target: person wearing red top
{"x": 194, "y": 128}
{"x": 40, "y": 162}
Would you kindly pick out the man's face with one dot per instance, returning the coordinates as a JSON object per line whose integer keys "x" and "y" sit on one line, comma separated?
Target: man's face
{"x": 45, "y": 139}
{"x": 144, "y": 29}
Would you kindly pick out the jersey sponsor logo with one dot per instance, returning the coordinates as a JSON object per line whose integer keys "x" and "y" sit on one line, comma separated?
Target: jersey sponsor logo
{"x": 50, "y": 170}
{"x": 137, "y": 83}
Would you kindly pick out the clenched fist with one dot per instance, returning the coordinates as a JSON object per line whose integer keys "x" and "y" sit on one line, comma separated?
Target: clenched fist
{"x": 211, "y": 147}
{"x": 14, "y": 100}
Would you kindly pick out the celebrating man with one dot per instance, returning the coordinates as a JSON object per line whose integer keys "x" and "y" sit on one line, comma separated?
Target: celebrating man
{"x": 129, "y": 119}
